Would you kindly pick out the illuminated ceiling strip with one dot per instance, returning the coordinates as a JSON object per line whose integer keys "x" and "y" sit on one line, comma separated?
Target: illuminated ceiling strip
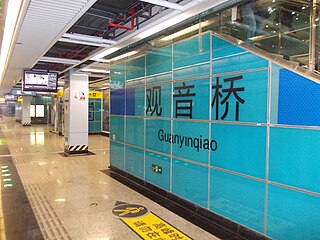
{"x": 83, "y": 42}
{"x": 60, "y": 60}
{"x": 76, "y": 36}
{"x": 94, "y": 70}
{"x": 9, "y": 28}
{"x": 185, "y": 31}
{"x": 165, "y": 4}
{"x": 124, "y": 55}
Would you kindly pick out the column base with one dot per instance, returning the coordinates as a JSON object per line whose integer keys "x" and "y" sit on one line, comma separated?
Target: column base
{"x": 76, "y": 149}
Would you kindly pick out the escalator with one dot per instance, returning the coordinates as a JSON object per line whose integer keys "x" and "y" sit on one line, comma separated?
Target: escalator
{"x": 279, "y": 30}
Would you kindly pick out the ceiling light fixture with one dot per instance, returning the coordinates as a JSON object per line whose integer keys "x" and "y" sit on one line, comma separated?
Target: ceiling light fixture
{"x": 59, "y": 60}
{"x": 83, "y": 42}
{"x": 94, "y": 70}
{"x": 166, "y": 4}
{"x": 128, "y": 54}
{"x": 86, "y": 40}
{"x": 185, "y": 31}
{"x": 105, "y": 53}
{"x": 10, "y": 23}
{"x": 76, "y": 36}
{"x": 170, "y": 22}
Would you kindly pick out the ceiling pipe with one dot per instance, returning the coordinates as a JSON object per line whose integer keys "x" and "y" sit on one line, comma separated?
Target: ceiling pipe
{"x": 110, "y": 24}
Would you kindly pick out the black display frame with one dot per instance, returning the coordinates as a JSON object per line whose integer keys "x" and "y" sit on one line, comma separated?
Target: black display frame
{"x": 35, "y": 87}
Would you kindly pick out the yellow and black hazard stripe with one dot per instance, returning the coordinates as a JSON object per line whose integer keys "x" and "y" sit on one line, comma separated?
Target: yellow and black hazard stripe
{"x": 26, "y": 123}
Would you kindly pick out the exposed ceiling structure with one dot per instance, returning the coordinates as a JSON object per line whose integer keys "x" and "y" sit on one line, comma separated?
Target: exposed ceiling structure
{"x": 58, "y": 35}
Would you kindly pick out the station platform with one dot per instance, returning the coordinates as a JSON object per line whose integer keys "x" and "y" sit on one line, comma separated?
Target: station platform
{"x": 45, "y": 195}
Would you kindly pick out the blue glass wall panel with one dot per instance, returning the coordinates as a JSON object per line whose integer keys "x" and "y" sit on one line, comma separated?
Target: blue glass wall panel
{"x": 158, "y": 100}
{"x": 97, "y": 116}
{"x": 117, "y": 102}
{"x": 243, "y": 97}
{"x": 135, "y": 131}
{"x": 159, "y": 61}
{"x": 117, "y": 154}
{"x": 135, "y": 68}
{"x": 134, "y": 161}
{"x": 191, "y": 107}
{"x": 130, "y": 101}
{"x": 159, "y": 179}
{"x": 160, "y": 78}
{"x": 117, "y": 76}
{"x": 192, "y": 71}
{"x": 237, "y": 198}
{"x": 190, "y": 181}
{"x": 154, "y": 139}
{"x": 275, "y": 78}
{"x": 240, "y": 149}
{"x": 117, "y": 128}
{"x": 189, "y": 141}
{"x": 221, "y": 48}
{"x": 191, "y": 52}
{"x": 292, "y": 215}
{"x": 298, "y": 100}
{"x": 238, "y": 62}
{"x": 139, "y": 96}
{"x": 91, "y": 127}
{"x": 296, "y": 151}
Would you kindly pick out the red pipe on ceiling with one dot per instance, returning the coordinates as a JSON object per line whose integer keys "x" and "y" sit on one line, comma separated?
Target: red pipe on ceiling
{"x": 110, "y": 24}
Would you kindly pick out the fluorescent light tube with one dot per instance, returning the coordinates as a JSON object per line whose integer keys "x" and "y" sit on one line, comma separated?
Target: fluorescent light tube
{"x": 94, "y": 70}
{"x": 9, "y": 27}
{"x": 166, "y": 4}
{"x": 128, "y": 54}
{"x": 105, "y": 53}
{"x": 88, "y": 38}
{"x": 83, "y": 42}
{"x": 59, "y": 60}
{"x": 185, "y": 31}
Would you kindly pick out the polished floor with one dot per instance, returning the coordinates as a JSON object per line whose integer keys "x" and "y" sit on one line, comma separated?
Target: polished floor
{"x": 45, "y": 195}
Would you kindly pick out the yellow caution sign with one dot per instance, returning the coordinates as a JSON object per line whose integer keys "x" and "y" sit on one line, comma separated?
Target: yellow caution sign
{"x": 146, "y": 224}
{"x": 95, "y": 94}
{"x": 60, "y": 93}
{"x": 3, "y": 141}
{"x": 128, "y": 210}
{"x": 20, "y": 99}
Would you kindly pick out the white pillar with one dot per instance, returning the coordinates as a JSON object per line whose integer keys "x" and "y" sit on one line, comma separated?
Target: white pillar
{"x": 26, "y": 119}
{"x": 76, "y": 113}
{"x": 18, "y": 112}
{"x": 56, "y": 115}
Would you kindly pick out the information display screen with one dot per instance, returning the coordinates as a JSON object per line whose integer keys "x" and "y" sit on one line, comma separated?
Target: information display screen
{"x": 10, "y": 98}
{"x": 40, "y": 81}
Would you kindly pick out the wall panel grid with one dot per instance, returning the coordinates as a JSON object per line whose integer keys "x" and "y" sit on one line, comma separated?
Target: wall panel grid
{"x": 94, "y": 115}
{"x": 210, "y": 124}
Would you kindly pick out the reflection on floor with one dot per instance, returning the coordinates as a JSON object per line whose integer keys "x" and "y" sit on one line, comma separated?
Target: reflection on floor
{"x": 47, "y": 196}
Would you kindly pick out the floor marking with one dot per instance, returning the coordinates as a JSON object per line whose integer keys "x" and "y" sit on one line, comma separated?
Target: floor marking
{"x": 147, "y": 224}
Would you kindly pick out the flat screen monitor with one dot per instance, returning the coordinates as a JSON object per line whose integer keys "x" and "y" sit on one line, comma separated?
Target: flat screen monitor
{"x": 40, "y": 81}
